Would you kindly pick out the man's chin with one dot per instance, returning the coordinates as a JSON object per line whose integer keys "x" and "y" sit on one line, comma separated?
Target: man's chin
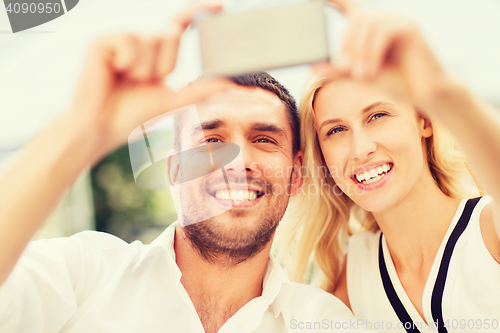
{"x": 237, "y": 227}
{"x": 230, "y": 237}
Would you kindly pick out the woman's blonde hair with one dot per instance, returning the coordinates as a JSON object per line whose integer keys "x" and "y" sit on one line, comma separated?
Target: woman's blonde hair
{"x": 311, "y": 240}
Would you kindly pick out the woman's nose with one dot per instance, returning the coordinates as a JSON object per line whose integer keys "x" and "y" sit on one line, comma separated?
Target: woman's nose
{"x": 362, "y": 145}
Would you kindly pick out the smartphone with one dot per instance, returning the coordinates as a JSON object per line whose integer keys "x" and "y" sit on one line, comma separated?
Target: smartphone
{"x": 244, "y": 42}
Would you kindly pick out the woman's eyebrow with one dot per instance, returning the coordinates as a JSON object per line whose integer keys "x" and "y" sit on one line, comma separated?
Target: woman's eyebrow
{"x": 374, "y": 105}
{"x": 328, "y": 122}
{"x": 365, "y": 109}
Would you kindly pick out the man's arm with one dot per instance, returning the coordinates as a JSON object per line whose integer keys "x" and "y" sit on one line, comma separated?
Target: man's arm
{"x": 121, "y": 86}
{"x": 35, "y": 181}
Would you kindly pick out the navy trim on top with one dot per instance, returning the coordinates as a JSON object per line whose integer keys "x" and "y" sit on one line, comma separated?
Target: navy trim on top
{"x": 437, "y": 292}
{"x": 398, "y": 307}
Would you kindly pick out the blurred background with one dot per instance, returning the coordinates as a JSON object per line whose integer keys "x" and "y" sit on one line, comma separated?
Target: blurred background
{"x": 39, "y": 69}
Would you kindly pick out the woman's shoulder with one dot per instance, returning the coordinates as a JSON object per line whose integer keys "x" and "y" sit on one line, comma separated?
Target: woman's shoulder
{"x": 364, "y": 241}
{"x": 482, "y": 232}
{"x": 362, "y": 252}
{"x": 362, "y": 273}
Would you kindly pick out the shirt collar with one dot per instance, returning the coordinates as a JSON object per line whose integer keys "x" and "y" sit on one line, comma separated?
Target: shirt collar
{"x": 276, "y": 287}
{"x": 166, "y": 241}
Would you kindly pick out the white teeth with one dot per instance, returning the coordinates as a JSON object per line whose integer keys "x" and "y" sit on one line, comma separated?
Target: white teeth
{"x": 373, "y": 175}
{"x": 251, "y": 195}
{"x": 236, "y": 195}
{"x": 366, "y": 175}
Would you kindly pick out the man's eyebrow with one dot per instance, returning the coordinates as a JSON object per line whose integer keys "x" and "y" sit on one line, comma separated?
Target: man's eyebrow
{"x": 207, "y": 125}
{"x": 268, "y": 127}
{"x": 366, "y": 109}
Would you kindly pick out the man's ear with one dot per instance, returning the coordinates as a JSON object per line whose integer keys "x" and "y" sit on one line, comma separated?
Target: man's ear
{"x": 172, "y": 171}
{"x": 297, "y": 177}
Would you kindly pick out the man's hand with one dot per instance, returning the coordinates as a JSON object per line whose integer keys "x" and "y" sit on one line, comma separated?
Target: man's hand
{"x": 122, "y": 84}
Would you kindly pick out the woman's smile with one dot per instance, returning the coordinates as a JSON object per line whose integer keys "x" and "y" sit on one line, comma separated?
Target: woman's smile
{"x": 373, "y": 178}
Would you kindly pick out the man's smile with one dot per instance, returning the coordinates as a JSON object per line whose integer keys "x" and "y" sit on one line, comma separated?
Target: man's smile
{"x": 239, "y": 195}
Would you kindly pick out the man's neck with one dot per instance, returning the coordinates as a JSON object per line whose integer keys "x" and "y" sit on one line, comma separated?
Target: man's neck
{"x": 218, "y": 289}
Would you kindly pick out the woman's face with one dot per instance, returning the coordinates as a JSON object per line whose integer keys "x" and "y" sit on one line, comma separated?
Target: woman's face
{"x": 373, "y": 145}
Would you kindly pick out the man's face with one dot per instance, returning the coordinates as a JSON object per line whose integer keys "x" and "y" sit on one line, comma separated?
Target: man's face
{"x": 262, "y": 182}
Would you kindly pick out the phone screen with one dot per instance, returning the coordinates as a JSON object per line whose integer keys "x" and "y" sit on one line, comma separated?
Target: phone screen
{"x": 243, "y": 42}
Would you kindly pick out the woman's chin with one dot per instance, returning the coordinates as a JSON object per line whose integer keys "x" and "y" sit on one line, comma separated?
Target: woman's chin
{"x": 374, "y": 204}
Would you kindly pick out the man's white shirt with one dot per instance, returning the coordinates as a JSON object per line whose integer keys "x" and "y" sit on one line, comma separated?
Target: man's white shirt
{"x": 96, "y": 282}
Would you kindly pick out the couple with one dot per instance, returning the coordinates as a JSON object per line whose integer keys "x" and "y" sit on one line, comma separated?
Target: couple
{"x": 389, "y": 160}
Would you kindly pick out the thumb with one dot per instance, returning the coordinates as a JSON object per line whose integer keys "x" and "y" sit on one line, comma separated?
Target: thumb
{"x": 198, "y": 91}
{"x": 160, "y": 100}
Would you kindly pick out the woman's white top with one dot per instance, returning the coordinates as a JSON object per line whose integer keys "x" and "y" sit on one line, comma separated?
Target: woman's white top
{"x": 462, "y": 292}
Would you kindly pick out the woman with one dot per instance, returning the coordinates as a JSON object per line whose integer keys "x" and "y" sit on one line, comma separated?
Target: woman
{"x": 375, "y": 150}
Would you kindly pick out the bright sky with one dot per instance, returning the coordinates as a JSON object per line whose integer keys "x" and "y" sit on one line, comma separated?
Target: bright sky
{"x": 39, "y": 67}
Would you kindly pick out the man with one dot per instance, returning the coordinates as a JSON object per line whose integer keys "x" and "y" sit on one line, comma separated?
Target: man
{"x": 215, "y": 275}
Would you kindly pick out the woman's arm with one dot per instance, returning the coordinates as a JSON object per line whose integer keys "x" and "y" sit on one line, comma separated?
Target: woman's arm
{"x": 476, "y": 126}
{"x": 121, "y": 86}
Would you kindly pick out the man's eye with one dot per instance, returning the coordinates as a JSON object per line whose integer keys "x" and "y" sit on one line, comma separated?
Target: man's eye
{"x": 264, "y": 140}
{"x": 335, "y": 130}
{"x": 212, "y": 140}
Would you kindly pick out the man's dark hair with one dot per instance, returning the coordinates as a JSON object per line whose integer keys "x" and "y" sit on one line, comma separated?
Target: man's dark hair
{"x": 264, "y": 81}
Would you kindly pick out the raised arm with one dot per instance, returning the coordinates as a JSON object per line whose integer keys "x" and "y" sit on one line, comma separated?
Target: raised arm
{"x": 121, "y": 86}
{"x": 377, "y": 46}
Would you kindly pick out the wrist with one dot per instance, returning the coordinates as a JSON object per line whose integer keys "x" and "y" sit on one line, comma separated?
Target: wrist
{"x": 82, "y": 136}
{"x": 448, "y": 97}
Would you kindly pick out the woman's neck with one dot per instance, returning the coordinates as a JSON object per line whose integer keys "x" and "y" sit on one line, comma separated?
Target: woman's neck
{"x": 415, "y": 227}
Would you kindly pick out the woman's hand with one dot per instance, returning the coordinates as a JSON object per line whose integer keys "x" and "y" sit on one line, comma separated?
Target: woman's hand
{"x": 376, "y": 44}
{"x": 390, "y": 52}
{"x": 122, "y": 84}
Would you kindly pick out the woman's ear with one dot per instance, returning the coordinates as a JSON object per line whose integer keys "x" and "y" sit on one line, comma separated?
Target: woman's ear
{"x": 426, "y": 127}
{"x": 424, "y": 123}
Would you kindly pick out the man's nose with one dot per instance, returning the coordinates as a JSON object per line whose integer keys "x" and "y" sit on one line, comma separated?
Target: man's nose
{"x": 244, "y": 161}
{"x": 362, "y": 145}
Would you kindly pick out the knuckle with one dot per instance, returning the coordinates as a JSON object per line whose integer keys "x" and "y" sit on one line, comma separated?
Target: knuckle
{"x": 130, "y": 39}
{"x": 173, "y": 33}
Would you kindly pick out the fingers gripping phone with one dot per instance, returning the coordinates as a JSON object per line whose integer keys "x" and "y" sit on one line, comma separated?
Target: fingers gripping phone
{"x": 243, "y": 42}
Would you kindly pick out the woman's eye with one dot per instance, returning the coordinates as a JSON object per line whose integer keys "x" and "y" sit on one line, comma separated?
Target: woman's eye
{"x": 334, "y": 130}
{"x": 377, "y": 115}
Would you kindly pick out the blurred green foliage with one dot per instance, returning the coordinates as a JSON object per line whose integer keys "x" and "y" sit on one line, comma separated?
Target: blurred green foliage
{"x": 124, "y": 209}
